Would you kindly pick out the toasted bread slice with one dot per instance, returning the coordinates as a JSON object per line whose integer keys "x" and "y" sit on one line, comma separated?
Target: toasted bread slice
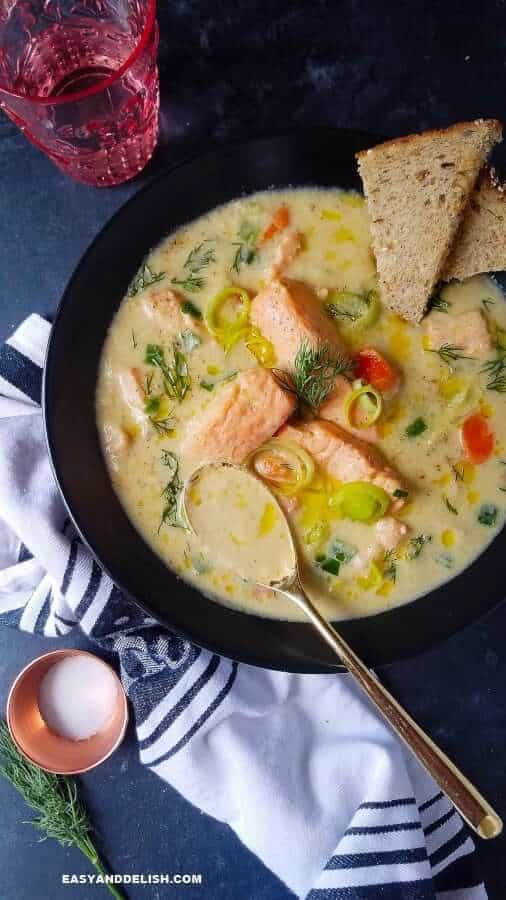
{"x": 480, "y": 245}
{"x": 417, "y": 189}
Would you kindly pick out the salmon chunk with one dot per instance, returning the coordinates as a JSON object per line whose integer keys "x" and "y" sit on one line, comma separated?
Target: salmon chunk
{"x": 243, "y": 415}
{"x": 468, "y": 331}
{"x": 333, "y": 410}
{"x": 289, "y": 247}
{"x": 289, "y": 313}
{"x": 165, "y": 308}
{"x": 344, "y": 456}
{"x": 132, "y": 394}
{"x": 115, "y": 445}
{"x": 387, "y": 535}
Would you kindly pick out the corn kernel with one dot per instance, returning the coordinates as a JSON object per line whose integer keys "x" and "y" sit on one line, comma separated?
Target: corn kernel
{"x": 330, "y": 256}
{"x": 448, "y": 537}
{"x": 486, "y": 409}
{"x": 473, "y": 497}
{"x": 385, "y": 589}
{"x": 444, "y": 480}
{"x": 332, "y": 215}
{"x": 344, "y": 234}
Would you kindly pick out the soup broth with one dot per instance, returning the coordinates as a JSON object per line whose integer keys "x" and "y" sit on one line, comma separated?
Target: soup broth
{"x": 178, "y": 344}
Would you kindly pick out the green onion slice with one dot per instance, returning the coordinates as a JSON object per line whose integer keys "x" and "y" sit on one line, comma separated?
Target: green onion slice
{"x": 363, "y": 406}
{"x": 285, "y": 466}
{"x": 360, "y": 501}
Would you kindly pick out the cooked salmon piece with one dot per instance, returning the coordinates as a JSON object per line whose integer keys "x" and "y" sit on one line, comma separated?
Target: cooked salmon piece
{"x": 344, "y": 456}
{"x": 115, "y": 444}
{"x": 468, "y": 331}
{"x": 288, "y": 314}
{"x": 164, "y": 307}
{"x": 245, "y": 413}
{"x": 333, "y": 410}
{"x": 132, "y": 394}
{"x": 387, "y": 534}
{"x": 290, "y": 245}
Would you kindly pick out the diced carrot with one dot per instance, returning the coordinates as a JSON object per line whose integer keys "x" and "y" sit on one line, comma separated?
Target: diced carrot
{"x": 477, "y": 438}
{"x": 375, "y": 369}
{"x": 279, "y": 222}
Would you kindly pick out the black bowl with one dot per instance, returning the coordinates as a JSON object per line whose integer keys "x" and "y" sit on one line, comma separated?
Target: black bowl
{"x": 320, "y": 157}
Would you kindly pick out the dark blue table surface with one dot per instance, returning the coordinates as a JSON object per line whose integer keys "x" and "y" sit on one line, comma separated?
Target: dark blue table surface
{"x": 226, "y": 73}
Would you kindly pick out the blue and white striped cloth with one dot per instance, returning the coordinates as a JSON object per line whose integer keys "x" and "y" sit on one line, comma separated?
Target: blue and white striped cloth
{"x": 299, "y": 766}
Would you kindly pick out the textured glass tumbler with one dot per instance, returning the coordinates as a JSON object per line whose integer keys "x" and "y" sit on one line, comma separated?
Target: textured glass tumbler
{"x": 80, "y": 80}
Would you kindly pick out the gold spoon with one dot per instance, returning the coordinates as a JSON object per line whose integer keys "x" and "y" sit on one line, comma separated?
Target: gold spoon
{"x": 219, "y": 494}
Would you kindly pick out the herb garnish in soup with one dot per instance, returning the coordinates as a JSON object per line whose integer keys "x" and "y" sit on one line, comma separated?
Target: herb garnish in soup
{"x": 256, "y": 335}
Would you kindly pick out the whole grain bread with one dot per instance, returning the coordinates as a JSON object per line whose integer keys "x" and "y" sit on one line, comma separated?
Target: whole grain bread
{"x": 417, "y": 189}
{"x": 480, "y": 245}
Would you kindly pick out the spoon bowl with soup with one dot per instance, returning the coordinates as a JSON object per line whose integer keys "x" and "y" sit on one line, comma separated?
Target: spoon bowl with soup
{"x": 257, "y": 545}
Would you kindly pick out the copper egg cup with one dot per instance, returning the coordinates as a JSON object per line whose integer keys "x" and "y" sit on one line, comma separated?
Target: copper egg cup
{"x": 53, "y": 752}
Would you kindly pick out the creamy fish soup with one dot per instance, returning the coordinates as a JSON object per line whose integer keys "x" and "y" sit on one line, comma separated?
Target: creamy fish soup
{"x": 256, "y": 335}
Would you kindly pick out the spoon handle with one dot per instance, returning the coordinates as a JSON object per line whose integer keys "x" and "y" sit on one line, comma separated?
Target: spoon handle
{"x": 469, "y": 802}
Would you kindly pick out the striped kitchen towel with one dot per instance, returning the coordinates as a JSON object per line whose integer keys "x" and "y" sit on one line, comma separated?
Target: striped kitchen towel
{"x": 299, "y": 766}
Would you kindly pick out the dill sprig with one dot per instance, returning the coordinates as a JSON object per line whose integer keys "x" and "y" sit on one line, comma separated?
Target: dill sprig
{"x": 495, "y": 369}
{"x": 449, "y": 353}
{"x": 440, "y": 304}
{"x": 450, "y": 507}
{"x": 143, "y": 278}
{"x": 246, "y": 249}
{"x": 171, "y": 513}
{"x": 176, "y": 375}
{"x": 61, "y": 814}
{"x": 199, "y": 258}
{"x": 389, "y": 566}
{"x": 417, "y": 544}
{"x": 315, "y": 371}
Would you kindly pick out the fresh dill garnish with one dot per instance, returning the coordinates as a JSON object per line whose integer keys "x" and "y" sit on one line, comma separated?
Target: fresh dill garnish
{"x": 210, "y": 385}
{"x": 487, "y": 514}
{"x": 488, "y": 302}
{"x": 446, "y": 560}
{"x": 438, "y": 302}
{"x": 197, "y": 260}
{"x": 247, "y": 250}
{"x": 176, "y": 376}
{"x": 449, "y": 353}
{"x": 189, "y": 309}
{"x": 143, "y": 278}
{"x": 134, "y": 340}
{"x": 389, "y": 566}
{"x": 315, "y": 371}
{"x": 149, "y": 382}
{"x": 170, "y": 460}
{"x": 200, "y": 257}
{"x": 171, "y": 513}
{"x": 191, "y": 283}
{"x": 163, "y": 426}
{"x": 458, "y": 471}
{"x": 450, "y": 507}
{"x": 417, "y": 544}
{"x": 61, "y": 814}
{"x": 495, "y": 369}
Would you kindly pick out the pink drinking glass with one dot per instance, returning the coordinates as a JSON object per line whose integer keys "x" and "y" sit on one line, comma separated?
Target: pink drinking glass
{"x": 79, "y": 78}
